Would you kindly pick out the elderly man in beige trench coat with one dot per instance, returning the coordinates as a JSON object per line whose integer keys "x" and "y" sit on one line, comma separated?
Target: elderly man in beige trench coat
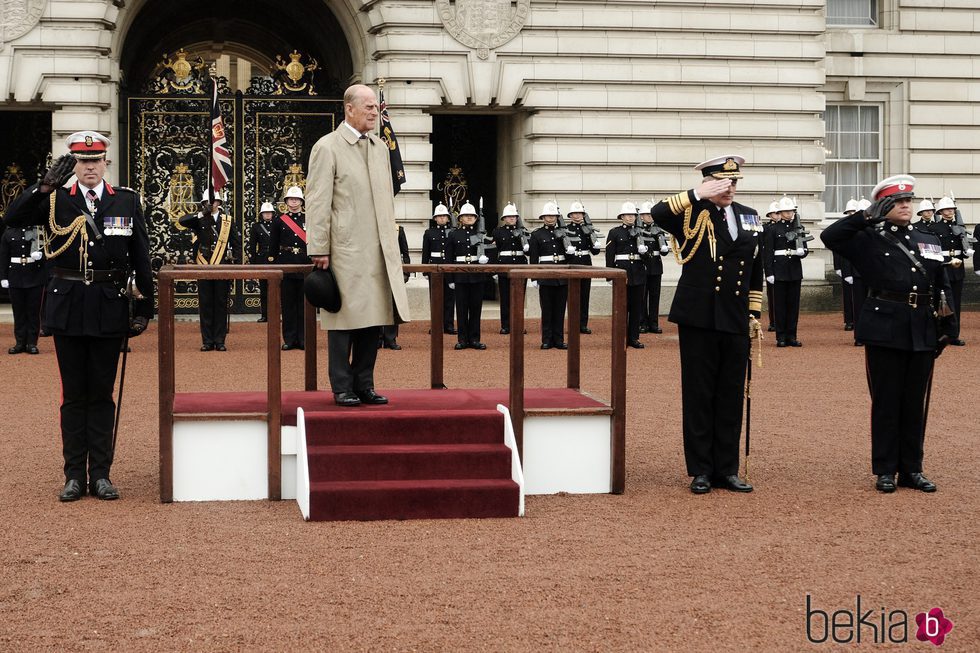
{"x": 351, "y": 229}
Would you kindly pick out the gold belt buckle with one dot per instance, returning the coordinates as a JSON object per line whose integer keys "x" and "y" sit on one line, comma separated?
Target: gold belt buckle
{"x": 23, "y": 260}
{"x": 914, "y": 300}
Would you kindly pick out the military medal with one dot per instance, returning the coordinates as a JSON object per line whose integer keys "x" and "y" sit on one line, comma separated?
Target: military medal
{"x": 117, "y": 226}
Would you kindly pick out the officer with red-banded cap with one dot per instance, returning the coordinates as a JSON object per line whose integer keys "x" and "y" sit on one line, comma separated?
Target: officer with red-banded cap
{"x": 905, "y": 276}
{"x": 97, "y": 244}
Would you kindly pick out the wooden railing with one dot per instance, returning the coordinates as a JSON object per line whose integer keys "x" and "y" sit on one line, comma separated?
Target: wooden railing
{"x": 518, "y": 276}
{"x": 272, "y": 415}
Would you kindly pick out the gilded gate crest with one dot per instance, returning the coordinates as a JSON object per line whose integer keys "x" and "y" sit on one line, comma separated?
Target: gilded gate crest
{"x": 483, "y": 24}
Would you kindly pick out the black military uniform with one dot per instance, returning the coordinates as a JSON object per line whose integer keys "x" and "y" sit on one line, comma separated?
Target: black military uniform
{"x": 904, "y": 271}
{"x": 510, "y": 242}
{"x": 770, "y": 299}
{"x": 434, "y": 253}
{"x": 783, "y": 263}
{"x": 469, "y": 287}
{"x": 844, "y": 270}
{"x": 657, "y": 246}
{"x": 547, "y": 248}
{"x": 211, "y": 249}
{"x": 259, "y": 253}
{"x": 622, "y": 251}
{"x": 288, "y": 247}
{"x": 389, "y": 332}
{"x": 953, "y": 249}
{"x": 585, "y": 248}
{"x": 97, "y": 241}
{"x": 22, "y": 268}
{"x": 717, "y": 293}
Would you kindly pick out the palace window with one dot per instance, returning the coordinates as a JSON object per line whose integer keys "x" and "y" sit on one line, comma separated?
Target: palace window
{"x": 852, "y": 13}
{"x": 853, "y": 151}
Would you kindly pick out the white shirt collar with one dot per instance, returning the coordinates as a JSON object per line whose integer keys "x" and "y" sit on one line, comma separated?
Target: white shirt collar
{"x": 356, "y": 133}
{"x": 98, "y": 189}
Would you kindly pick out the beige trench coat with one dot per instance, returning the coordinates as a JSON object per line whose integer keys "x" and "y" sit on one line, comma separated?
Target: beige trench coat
{"x": 350, "y": 216}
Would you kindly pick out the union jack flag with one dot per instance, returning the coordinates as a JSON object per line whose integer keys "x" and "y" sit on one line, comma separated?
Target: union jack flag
{"x": 221, "y": 167}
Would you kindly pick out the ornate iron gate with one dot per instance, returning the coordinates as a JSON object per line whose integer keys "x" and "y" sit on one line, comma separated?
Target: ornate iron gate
{"x": 270, "y": 133}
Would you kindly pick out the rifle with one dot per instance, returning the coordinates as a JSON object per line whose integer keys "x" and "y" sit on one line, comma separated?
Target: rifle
{"x": 452, "y": 215}
{"x": 798, "y": 233}
{"x": 523, "y": 233}
{"x": 480, "y": 237}
{"x": 561, "y": 231}
{"x": 589, "y": 230}
{"x": 959, "y": 229}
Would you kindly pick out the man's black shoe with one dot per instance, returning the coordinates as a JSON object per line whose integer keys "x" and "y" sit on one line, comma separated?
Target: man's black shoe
{"x": 636, "y": 344}
{"x": 477, "y": 345}
{"x": 885, "y": 483}
{"x": 504, "y": 331}
{"x": 794, "y": 343}
{"x": 346, "y": 399}
{"x": 858, "y": 344}
{"x": 771, "y": 328}
{"x": 560, "y": 345}
{"x": 44, "y": 334}
{"x": 916, "y": 481}
{"x": 220, "y": 347}
{"x": 701, "y": 484}
{"x": 460, "y": 345}
{"x": 17, "y": 349}
{"x": 644, "y": 328}
{"x": 781, "y": 343}
{"x": 733, "y": 483}
{"x": 207, "y": 347}
{"x": 848, "y": 326}
{"x": 32, "y": 349}
{"x": 545, "y": 345}
{"x": 393, "y": 345}
{"x": 586, "y": 330}
{"x": 71, "y": 492}
{"x": 656, "y": 329}
{"x": 369, "y": 396}
{"x": 958, "y": 342}
{"x": 262, "y": 319}
{"x": 104, "y": 490}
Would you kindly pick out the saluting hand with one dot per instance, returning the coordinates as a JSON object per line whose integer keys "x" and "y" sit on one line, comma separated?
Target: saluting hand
{"x": 59, "y": 172}
{"x": 711, "y": 188}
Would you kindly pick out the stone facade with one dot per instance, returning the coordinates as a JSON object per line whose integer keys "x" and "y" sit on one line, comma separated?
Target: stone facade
{"x": 598, "y": 101}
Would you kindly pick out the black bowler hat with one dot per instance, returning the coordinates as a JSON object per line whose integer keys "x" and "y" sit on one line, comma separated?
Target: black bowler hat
{"x": 320, "y": 288}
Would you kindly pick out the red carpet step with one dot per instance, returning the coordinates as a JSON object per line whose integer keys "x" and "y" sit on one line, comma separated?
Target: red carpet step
{"x": 409, "y": 464}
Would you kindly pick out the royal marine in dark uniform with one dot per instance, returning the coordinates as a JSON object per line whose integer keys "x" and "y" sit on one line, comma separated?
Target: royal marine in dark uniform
{"x": 770, "y": 301}
{"x": 23, "y": 274}
{"x": 784, "y": 271}
{"x": 953, "y": 248}
{"x": 658, "y": 245}
{"x": 511, "y": 244}
{"x": 259, "y": 252}
{"x": 549, "y": 246}
{"x": 434, "y": 253}
{"x": 216, "y": 242}
{"x": 97, "y": 243}
{"x": 288, "y": 247}
{"x": 926, "y": 213}
{"x": 465, "y": 246}
{"x": 625, "y": 249}
{"x": 844, "y": 271}
{"x": 585, "y": 239}
{"x": 906, "y": 279}
{"x": 716, "y": 306}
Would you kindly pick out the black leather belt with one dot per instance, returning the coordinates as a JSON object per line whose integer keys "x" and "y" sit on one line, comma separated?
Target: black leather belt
{"x": 910, "y": 298}
{"x": 89, "y": 276}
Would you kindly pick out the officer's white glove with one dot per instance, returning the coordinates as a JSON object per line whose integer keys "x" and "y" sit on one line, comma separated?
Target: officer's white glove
{"x": 771, "y": 279}
{"x": 664, "y": 249}
{"x": 800, "y": 251}
{"x": 526, "y": 247}
{"x": 483, "y": 260}
{"x": 36, "y": 255}
{"x": 534, "y": 283}
{"x": 6, "y": 284}
{"x": 570, "y": 250}
{"x": 643, "y": 249}
{"x": 452, "y": 286}
{"x": 977, "y": 272}
{"x": 849, "y": 279}
{"x": 839, "y": 273}
{"x": 969, "y": 252}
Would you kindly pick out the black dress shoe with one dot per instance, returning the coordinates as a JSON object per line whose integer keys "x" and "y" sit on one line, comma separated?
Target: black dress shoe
{"x": 104, "y": 490}
{"x": 478, "y": 345}
{"x": 394, "y": 346}
{"x": 656, "y": 329}
{"x": 958, "y": 342}
{"x": 505, "y": 331}
{"x": 644, "y": 329}
{"x": 207, "y": 347}
{"x": 916, "y": 481}
{"x": 346, "y": 399}
{"x": 32, "y": 349}
{"x": 71, "y": 492}
{"x": 636, "y": 344}
{"x": 262, "y": 319}
{"x": 733, "y": 483}
{"x": 771, "y": 328}
{"x": 460, "y": 345}
{"x": 560, "y": 345}
{"x": 781, "y": 343}
{"x": 586, "y": 330}
{"x": 449, "y": 331}
{"x": 286, "y": 347}
{"x": 885, "y": 483}
{"x": 848, "y": 326}
{"x": 794, "y": 343}
{"x": 44, "y": 334}
{"x": 545, "y": 345}
{"x": 701, "y": 484}
{"x": 220, "y": 347}
{"x": 17, "y": 349}
{"x": 858, "y": 344}
{"x": 369, "y": 396}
